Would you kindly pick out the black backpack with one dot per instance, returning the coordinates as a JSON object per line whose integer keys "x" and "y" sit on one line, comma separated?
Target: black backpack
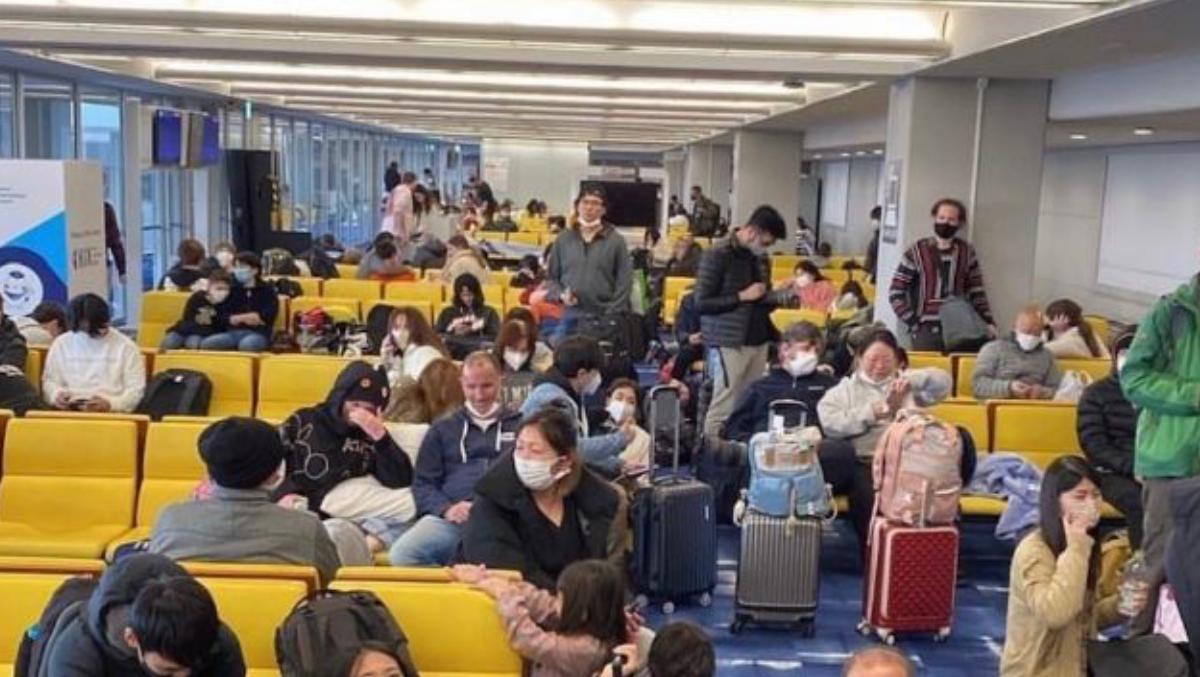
{"x": 320, "y": 265}
{"x": 328, "y": 622}
{"x": 279, "y": 261}
{"x": 287, "y": 287}
{"x": 178, "y": 392}
{"x": 68, "y": 602}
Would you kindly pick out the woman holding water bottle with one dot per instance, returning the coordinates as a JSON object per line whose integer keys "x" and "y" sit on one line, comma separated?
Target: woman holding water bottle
{"x": 1053, "y": 603}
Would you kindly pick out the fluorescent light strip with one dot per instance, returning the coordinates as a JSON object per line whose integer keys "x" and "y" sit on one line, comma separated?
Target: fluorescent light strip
{"x": 384, "y": 105}
{"x": 404, "y": 111}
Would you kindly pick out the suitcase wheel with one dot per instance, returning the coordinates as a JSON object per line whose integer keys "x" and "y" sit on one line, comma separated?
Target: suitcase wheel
{"x": 942, "y": 635}
{"x": 738, "y": 624}
{"x": 886, "y": 637}
{"x": 864, "y": 628}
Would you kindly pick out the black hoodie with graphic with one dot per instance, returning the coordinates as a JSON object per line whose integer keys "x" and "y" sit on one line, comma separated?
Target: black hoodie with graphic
{"x": 92, "y": 643}
{"x": 323, "y": 450}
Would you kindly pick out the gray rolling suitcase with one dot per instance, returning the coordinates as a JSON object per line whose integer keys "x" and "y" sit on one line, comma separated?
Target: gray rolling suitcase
{"x": 778, "y": 575}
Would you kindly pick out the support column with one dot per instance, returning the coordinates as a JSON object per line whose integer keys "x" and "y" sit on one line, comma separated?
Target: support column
{"x": 709, "y": 166}
{"x": 980, "y": 142}
{"x": 766, "y": 170}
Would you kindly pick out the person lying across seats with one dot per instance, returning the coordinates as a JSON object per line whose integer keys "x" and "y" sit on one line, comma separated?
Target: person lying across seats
{"x": 342, "y": 462}
{"x": 1017, "y": 366}
{"x": 93, "y": 367}
{"x": 456, "y": 452}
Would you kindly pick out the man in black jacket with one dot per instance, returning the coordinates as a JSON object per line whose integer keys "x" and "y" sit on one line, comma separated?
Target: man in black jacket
{"x": 1107, "y": 427}
{"x": 735, "y": 301}
{"x": 147, "y": 617}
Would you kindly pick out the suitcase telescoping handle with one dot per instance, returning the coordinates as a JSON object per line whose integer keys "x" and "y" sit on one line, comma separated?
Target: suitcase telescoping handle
{"x": 664, "y": 396}
{"x": 777, "y": 419}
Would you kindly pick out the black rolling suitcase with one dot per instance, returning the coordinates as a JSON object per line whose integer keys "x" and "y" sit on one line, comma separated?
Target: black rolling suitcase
{"x": 674, "y": 526}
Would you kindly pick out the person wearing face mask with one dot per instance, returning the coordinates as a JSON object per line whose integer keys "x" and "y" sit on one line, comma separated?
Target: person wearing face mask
{"x": 92, "y": 367}
{"x": 933, "y": 270}
{"x": 410, "y": 345}
{"x": 455, "y": 454}
{"x": 815, "y": 292}
{"x": 539, "y": 509}
{"x": 342, "y": 462}
{"x": 1107, "y": 427}
{"x": 514, "y": 351}
{"x": 589, "y": 268}
{"x": 575, "y": 375}
{"x": 735, "y": 301}
{"x": 239, "y": 523}
{"x": 202, "y": 314}
{"x": 542, "y": 357}
{"x": 250, "y": 310}
{"x": 623, "y": 407}
{"x": 222, "y": 257}
{"x": 862, "y": 406}
{"x": 1054, "y": 603}
{"x": 1017, "y": 366}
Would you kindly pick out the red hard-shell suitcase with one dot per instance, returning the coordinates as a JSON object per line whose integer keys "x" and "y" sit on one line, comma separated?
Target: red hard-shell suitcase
{"x": 911, "y": 576}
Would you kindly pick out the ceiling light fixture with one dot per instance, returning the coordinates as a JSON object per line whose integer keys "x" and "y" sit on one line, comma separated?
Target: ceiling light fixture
{"x": 845, "y": 155}
{"x": 1078, "y": 137}
{"x": 878, "y": 151}
{"x": 1143, "y": 131}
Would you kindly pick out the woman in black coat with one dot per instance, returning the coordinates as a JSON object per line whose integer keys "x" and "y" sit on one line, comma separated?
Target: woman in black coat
{"x": 468, "y": 324}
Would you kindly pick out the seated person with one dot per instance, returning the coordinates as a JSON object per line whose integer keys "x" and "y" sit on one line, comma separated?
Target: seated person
{"x": 343, "y": 463}
{"x": 1069, "y": 334}
{"x": 542, "y": 357}
{"x": 514, "y": 351}
{"x": 1107, "y": 427}
{"x": 576, "y": 374}
{"x": 864, "y": 404}
{"x": 93, "y": 367}
{"x": 685, "y": 257}
{"x": 1054, "y": 605}
{"x": 384, "y": 261}
{"x": 223, "y": 256}
{"x": 468, "y": 322}
{"x": 43, "y": 325}
{"x": 538, "y": 509}
{"x": 456, "y": 452}
{"x": 371, "y": 658}
{"x": 502, "y": 221}
{"x": 251, "y": 309}
{"x": 16, "y": 392}
{"x": 410, "y": 345}
{"x": 878, "y": 661}
{"x": 1017, "y": 366}
{"x": 624, "y": 408}
{"x": 462, "y": 259}
{"x": 851, "y": 297}
{"x": 687, "y": 333}
{"x": 813, "y": 290}
{"x": 529, "y": 273}
{"x": 201, "y": 315}
{"x": 190, "y": 272}
{"x": 795, "y": 377}
{"x": 239, "y": 523}
{"x": 147, "y": 617}
{"x": 436, "y": 393}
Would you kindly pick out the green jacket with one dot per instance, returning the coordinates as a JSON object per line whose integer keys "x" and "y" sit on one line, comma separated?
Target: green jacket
{"x": 1162, "y": 377}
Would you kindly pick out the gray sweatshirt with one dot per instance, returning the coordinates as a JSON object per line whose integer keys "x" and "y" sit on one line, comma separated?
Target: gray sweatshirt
{"x": 599, "y": 273}
{"x": 1002, "y": 361}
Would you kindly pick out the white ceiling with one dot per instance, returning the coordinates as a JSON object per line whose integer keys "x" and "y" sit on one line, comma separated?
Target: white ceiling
{"x": 1176, "y": 127}
{"x": 657, "y": 72}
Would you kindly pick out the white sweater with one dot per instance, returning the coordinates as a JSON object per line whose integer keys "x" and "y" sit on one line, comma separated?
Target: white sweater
{"x": 81, "y": 366}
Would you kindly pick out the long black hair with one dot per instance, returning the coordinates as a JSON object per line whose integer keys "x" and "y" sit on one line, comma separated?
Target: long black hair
{"x": 342, "y": 663}
{"x": 1063, "y": 475}
{"x": 593, "y": 601}
{"x": 89, "y": 313}
{"x": 469, "y": 281}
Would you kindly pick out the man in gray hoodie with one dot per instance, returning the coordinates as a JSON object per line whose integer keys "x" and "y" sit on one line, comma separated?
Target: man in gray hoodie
{"x": 1017, "y": 366}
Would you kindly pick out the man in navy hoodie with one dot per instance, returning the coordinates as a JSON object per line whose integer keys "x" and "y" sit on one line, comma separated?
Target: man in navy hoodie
{"x": 457, "y": 451}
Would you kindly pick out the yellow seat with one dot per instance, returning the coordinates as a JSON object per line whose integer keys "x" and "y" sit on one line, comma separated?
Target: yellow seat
{"x": 452, "y": 629}
{"x": 160, "y": 310}
{"x": 171, "y": 469}
{"x": 68, "y": 486}
{"x": 34, "y": 359}
{"x": 25, "y": 596}
{"x": 282, "y": 314}
{"x": 431, "y": 275}
{"x": 970, "y": 415}
{"x": 1040, "y": 432}
{"x": 363, "y": 290}
{"x": 424, "y": 307}
{"x": 341, "y": 309}
{"x": 288, "y": 382}
{"x": 922, "y": 360}
{"x": 51, "y": 565}
{"x": 232, "y": 377}
{"x": 786, "y": 317}
{"x": 964, "y": 370}
{"x": 673, "y": 287}
{"x": 836, "y": 277}
{"x": 346, "y": 270}
{"x": 253, "y": 609}
{"x": 670, "y": 308}
{"x": 139, "y": 420}
{"x": 529, "y": 238}
{"x": 786, "y": 261}
{"x": 512, "y": 298}
{"x": 502, "y": 278}
{"x": 1097, "y": 368}
{"x": 1101, "y": 326}
{"x": 408, "y": 574}
{"x": 489, "y": 236}
{"x": 255, "y": 571}
{"x": 431, "y": 292}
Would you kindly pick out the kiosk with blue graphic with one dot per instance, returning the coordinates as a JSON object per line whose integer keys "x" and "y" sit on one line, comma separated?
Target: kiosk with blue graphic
{"x": 51, "y": 232}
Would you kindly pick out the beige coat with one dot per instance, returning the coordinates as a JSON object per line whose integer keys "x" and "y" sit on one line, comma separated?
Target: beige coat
{"x": 1051, "y": 614}
{"x": 1072, "y": 345}
{"x": 467, "y": 261}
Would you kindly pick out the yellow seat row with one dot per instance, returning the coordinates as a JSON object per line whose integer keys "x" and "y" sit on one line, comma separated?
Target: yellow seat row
{"x": 964, "y": 370}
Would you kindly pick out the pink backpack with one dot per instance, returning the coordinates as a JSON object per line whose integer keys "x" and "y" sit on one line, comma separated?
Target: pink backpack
{"x": 917, "y": 471}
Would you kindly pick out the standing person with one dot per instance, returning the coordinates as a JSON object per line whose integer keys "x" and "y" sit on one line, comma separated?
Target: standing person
{"x": 706, "y": 214}
{"x": 935, "y": 269}
{"x": 93, "y": 367}
{"x": 1161, "y": 377}
{"x": 1107, "y": 426}
{"x": 399, "y": 217}
{"x": 735, "y": 302}
{"x": 589, "y": 268}
{"x": 112, "y": 240}
{"x": 250, "y": 310}
{"x": 429, "y": 180}
{"x": 391, "y": 177}
{"x": 871, "y": 263}
{"x": 806, "y": 240}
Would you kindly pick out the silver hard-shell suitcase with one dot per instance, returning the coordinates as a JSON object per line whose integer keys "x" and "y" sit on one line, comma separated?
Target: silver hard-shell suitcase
{"x": 778, "y": 578}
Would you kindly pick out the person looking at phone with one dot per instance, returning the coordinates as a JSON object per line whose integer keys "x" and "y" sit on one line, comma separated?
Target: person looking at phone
{"x": 624, "y": 409}
{"x": 468, "y": 322}
{"x": 92, "y": 367}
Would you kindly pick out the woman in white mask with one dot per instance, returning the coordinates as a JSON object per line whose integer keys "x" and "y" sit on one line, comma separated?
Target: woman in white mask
{"x": 623, "y": 409}
{"x": 1054, "y": 603}
{"x": 538, "y": 510}
{"x": 860, "y": 408}
{"x": 515, "y": 350}
{"x": 223, "y": 255}
{"x": 410, "y": 345}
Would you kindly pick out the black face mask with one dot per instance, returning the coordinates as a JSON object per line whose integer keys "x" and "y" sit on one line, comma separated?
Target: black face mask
{"x": 945, "y": 231}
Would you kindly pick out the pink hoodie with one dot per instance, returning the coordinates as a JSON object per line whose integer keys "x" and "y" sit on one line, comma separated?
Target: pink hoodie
{"x": 525, "y": 609}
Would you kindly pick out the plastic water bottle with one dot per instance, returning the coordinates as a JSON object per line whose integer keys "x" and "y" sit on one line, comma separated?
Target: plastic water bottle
{"x": 1135, "y": 583}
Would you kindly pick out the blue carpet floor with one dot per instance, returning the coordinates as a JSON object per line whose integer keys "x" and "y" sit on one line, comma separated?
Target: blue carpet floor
{"x": 973, "y": 649}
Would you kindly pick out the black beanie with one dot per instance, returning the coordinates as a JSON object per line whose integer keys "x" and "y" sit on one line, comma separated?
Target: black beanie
{"x": 241, "y": 453}
{"x": 371, "y": 387}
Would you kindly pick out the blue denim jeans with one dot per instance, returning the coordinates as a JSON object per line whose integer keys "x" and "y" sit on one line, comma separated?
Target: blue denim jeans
{"x": 432, "y": 541}
{"x": 174, "y": 341}
{"x": 245, "y": 340}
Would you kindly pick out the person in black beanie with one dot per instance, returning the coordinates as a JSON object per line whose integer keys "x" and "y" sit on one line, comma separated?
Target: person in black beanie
{"x": 343, "y": 462}
{"x": 240, "y": 523}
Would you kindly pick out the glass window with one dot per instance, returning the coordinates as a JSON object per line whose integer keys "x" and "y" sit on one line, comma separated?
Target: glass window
{"x": 49, "y": 119}
{"x": 302, "y": 176}
{"x": 319, "y": 211}
{"x": 100, "y": 124}
{"x": 7, "y": 119}
{"x": 234, "y": 126}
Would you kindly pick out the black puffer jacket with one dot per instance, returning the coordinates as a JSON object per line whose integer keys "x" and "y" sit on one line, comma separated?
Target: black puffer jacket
{"x": 725, "y": 320}
{"x": 1107, "y": 426}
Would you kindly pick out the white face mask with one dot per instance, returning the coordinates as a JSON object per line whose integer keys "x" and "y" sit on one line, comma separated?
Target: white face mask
{"x": 218, "y": 295}
{"x": 515, "y": 359}
{"x": 400, "y": 338}
{"x": 804, "y": 280}
{"x": 1120, "y": 363}
{"x": 483, "y": 418}
{"x": 870, "y": 381}
{"x": 225, "y": 258}
{"x": 618, "y": 410}
{"x": 1028, "y": 342}
{"x": 536, "y": 475}
{"x": 593, "y": 384}
{"x": 279, "y": 477}
{"x": 801, "y": 364}
{"x": 590, "y": 224}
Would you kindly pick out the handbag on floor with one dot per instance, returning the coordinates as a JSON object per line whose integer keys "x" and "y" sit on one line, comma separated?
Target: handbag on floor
{"x": 1144, "y": 655}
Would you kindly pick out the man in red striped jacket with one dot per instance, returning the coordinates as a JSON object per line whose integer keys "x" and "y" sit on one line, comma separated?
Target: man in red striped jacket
{"x": 935, "y": 269}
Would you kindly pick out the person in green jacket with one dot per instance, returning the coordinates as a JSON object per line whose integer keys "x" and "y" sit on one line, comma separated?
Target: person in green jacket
{"x": 1161, "y": 377}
